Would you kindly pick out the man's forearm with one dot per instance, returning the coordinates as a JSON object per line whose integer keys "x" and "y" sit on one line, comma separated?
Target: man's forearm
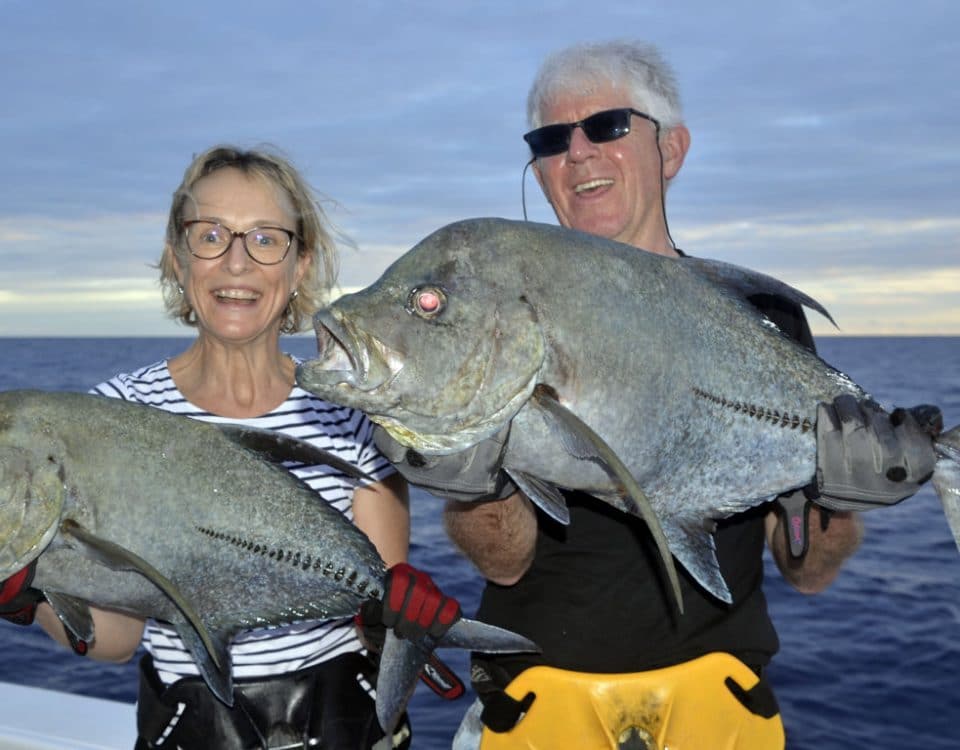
{"x": 498, "y": 536}
{"x": 826, "y": 553}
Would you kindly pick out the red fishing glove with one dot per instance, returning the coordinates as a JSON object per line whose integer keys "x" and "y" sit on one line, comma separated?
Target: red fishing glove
{"x": 412, "y": 605}
{"x": 18, "y": 602}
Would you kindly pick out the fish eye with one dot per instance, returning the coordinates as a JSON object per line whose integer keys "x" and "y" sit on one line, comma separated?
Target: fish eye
{"x": 427, "y": 301}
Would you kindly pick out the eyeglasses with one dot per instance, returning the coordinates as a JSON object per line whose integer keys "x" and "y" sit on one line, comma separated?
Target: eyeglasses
{"x": 209, "y": 240}
{"x": 608, "y": 125}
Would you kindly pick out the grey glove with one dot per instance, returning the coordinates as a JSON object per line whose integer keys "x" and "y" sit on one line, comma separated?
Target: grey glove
{"x": 473, "y": 474}
{"x": 867, "y": 458}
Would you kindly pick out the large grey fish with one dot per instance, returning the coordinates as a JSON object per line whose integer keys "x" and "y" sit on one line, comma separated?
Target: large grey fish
{"x": 131, "y": 508}
{"x": 649, "y": 382}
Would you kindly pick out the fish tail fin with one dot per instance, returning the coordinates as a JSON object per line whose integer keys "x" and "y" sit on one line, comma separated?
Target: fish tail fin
{"x": 402, "y": 661}
{"x": 946, "y": 478}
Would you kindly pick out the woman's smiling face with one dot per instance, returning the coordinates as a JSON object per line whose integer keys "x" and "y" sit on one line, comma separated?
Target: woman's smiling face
{"x": 235, "y": 298}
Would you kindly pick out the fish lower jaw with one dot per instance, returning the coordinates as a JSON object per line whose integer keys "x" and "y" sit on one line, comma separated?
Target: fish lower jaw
{"x": 442, "y": 437}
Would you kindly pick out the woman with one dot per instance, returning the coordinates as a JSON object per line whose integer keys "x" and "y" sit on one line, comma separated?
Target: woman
{"x": 248, "y": 258}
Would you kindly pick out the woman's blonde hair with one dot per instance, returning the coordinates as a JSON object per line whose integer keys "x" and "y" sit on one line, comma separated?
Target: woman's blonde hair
{"x": 314, "y": 233}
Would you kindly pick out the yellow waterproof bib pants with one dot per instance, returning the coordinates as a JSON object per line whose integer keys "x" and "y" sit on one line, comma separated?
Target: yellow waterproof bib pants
{"x": 685, "y": 707}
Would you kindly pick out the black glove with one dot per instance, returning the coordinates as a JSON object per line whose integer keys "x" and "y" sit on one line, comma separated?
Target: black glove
{"x": 867, "y": 458}
{"x": 18, "y": 602}
{"x": 473, "y": 474}
{"x": 412, "y": 604}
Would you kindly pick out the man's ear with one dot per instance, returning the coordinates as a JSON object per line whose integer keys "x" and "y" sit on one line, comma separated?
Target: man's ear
{"x": 674, "y": 146}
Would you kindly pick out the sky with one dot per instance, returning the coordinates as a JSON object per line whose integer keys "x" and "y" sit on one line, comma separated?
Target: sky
{"x": 825, "y": 137}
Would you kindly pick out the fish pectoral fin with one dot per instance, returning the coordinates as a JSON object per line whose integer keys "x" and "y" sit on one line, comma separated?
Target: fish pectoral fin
{"x": 73, "y": 613}
{"x": 697, "y": 552}
{"x": 212, "y": 657}
{"x": 580, "y": 441}
{"x": 402, "y": 660}
{"x": 542, "y": 494}
{"x": 115, "y": 557}
{"x": 278, "y": 448}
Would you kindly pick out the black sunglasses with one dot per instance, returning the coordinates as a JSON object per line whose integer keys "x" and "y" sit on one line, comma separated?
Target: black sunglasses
{"x": 601, "y": 127}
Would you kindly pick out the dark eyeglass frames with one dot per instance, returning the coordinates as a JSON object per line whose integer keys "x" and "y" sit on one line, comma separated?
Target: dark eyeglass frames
{"x": 209, "y": 240}
{"x": 601, "y": 127}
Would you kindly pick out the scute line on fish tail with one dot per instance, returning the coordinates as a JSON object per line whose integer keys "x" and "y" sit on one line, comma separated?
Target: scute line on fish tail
{"x": 297, "y": 559}
{"x": 582, "y": 442}
{"x": 762, "y": 413}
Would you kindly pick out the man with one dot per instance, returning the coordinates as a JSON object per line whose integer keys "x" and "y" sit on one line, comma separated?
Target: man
{"x": 617, "y": 668}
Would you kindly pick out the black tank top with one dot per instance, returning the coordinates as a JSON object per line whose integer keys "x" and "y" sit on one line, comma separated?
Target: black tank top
{"x": 594, "y": 598}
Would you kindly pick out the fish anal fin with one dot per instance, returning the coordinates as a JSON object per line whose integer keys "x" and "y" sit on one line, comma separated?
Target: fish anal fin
{"x": 213, "y": 660}
{"x": 694, "y": 547}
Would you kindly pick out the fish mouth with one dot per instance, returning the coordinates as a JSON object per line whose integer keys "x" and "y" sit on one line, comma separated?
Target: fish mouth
{"x": 347, "y": 359}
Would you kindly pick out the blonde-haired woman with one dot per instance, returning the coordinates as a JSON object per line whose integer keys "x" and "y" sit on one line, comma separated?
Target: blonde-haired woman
{"x": 248, "y": 257}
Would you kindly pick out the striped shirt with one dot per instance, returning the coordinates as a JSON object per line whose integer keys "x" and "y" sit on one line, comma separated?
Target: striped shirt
{"x": 343, "y": 431}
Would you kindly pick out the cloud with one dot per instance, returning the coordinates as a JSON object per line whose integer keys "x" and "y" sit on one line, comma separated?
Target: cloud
{"x": 815, "y": 143}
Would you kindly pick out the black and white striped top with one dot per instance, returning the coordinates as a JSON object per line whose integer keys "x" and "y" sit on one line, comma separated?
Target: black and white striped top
{"x": 341, "y": 430}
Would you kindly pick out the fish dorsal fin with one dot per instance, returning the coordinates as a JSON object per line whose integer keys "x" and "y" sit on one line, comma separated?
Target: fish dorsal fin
{"x": 580, "y": 441}
{"x": 277, "y": 447}
{"x": 115, "y": 557}
{"x": 744, "y": 283}
{"x": 73, "y": 613}
{"x": 542, "y": 494}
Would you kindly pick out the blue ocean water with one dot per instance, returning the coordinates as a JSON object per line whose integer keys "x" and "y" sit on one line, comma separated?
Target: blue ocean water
{"x": 874, "y": 662}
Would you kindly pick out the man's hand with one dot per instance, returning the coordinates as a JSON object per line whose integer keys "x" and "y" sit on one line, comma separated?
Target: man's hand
{"x": 18, "y": 602}
{"x": 473, "y": 474}
{"x": 412, "y": 604}
{"x": 867, "y": 458}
